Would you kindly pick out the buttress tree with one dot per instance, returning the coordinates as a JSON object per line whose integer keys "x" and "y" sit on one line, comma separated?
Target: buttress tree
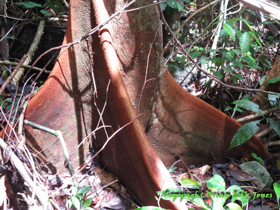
{"x": 114, "y": 82}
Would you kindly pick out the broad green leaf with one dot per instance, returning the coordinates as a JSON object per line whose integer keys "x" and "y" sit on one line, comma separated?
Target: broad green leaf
{"x": 236, "y": 63}
{"x": 76, "y": 202}
{"x": 273, "y": 80}
{"x": 239, "y": 76}
{"x": 87, "y": 202}
{"x": 212, "y": 50}
{"x": 251, "y": 62}
{"x": 238, "y": 194}
{"x": 255, "y": 37}
{"x": 29, "y": 4}
{"x": 74, "y": 190}
{"x": 45, "y": 13}
{"x": 249, "y": 105}
{"x": 244, "y": 42}
{"x": 176, "y": 4}
{"x": 83, "y": 190}
{"x": 188, "y": 183}
{"x": 223, "y": 33}
{"x": 229, "y": 30}
{"x": 238, "y": 33}
{"x": 236, "y": 51}
{"x": 273, "y": 99}
{"x": 227, "y": 69}
{"x": 234, "y": 206}
{"x": 216, "y": 183}
{"x": 233, "y": 79}
{"x": 231, "y": 21}
{"x": 275, "y": 125}
{"x": 244, "y": 133}
{"x": 229, "y": 55}
{"x": 195, "y": 54}
{"x": 276, "y": 188}
{"x": 262, "y": 79}
{"x": 218, "y": 61}
{"x": 257, "y": 158}
{"x": 219, "y": 74}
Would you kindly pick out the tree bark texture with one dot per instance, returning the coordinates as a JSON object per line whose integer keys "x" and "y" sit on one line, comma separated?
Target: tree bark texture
{"x": 173, "y": 123}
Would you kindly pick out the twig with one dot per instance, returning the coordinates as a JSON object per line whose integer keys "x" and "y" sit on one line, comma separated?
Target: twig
{"x": 41, "y": 195}
{"x": 7, "y": 62}
{"x": 13, "y": 74}
{"x": 31, "y": 50}
{"x": 107, "y": 141}
{"x": 57, "y": 133}
{"x": 256, "y": 115}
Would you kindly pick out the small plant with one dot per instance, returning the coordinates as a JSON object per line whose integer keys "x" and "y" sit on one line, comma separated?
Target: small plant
{"x": 78, "y": 200}
{"x": 249, "y": 129}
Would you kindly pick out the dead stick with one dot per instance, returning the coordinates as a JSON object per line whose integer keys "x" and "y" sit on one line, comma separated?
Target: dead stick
{"x": 13, "y": 74}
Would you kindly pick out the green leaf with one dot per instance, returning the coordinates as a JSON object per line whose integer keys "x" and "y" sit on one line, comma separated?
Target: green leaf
{"x": 87, "y": 202}
{"x": 29, "y": 4}
{"x": 257, "y": 158}
{"x": 234, "y": 206}
{"x": 273, "y": 80}
{"x": 83, "y": 190}
{"x": 239, "y": 76}
{"x": 238, "y": 194}
{"x": 74, "y": 190}
{"x": 219, "y": 74}
{"x": 249, "y": 105}
{"x": 251, "y": 62}
{"x": 45, "y": 13}
{"x": 216, "y": 183}
{"x": 262, "y": 79}
{"x": 276, "y": 188}
{"x": 255, "y": 37}
{"x": 273, "y": 99}
{"x": 76, "y": 202}
{"x": 171, "y": 169}
{"x": 244, "y": 42}
{"x": 236, "y": 51}
{"x": 229, "y": 55}
{"x": 195, "y": 54}
{"x": 176, "y": 4}
{"x": 244, "y": 133}
{"x": 218, "y": 61}
{"x": 246, "y": 22}
{"x": 229, "y": 30}
{"x": 275, "y": 125}
{"x": 236, "y": 63}
{"x": 227, "y": 69}
{"x": 188, "y": 183}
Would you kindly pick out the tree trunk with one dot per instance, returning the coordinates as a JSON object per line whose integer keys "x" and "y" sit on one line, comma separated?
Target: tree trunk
{"x": 177, "y": 124}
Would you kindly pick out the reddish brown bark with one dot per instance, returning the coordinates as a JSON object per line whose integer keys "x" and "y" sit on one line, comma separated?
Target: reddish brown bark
{"x": 177, "y": 124}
